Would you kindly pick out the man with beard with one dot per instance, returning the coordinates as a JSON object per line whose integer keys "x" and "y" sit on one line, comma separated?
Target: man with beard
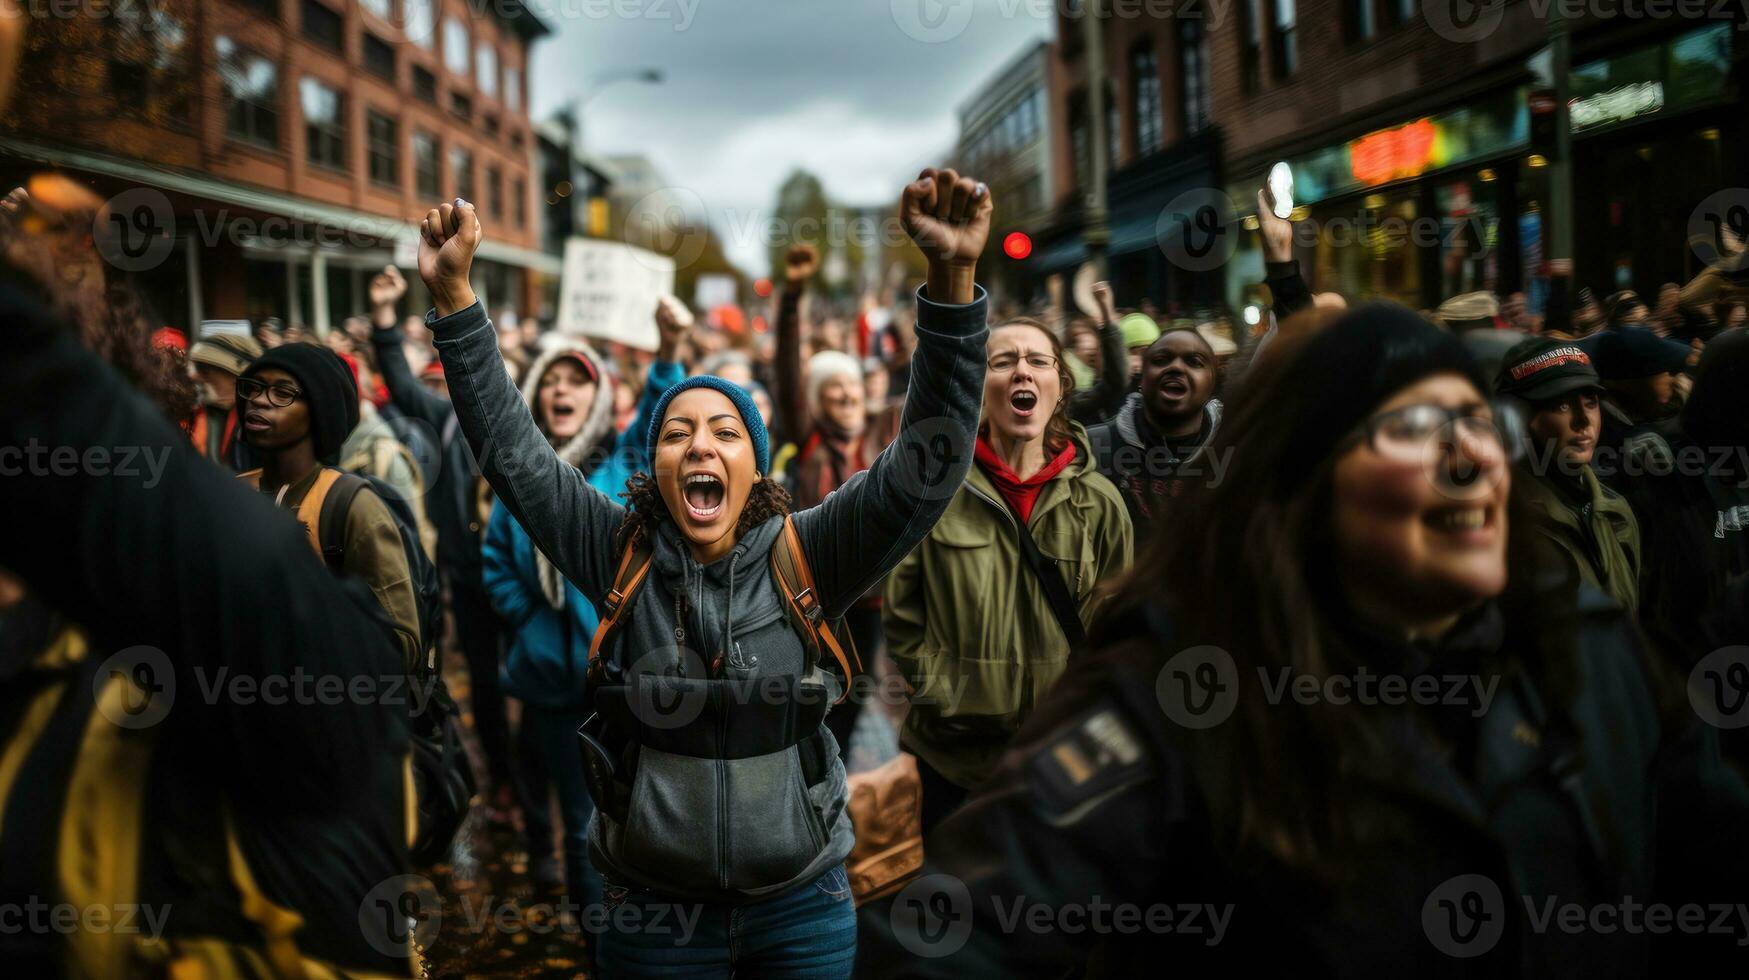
{"x": 1152, "y": 444}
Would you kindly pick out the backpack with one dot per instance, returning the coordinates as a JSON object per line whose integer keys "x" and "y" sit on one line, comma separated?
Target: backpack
{"x": 795, "y": 580}
{"x": 443, "y": 779}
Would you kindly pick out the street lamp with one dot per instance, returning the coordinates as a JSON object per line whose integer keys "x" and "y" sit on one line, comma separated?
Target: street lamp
{"x": 594, "y": 87}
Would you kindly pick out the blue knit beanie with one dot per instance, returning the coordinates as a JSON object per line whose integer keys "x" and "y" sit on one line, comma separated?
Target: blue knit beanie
{"x": 750, "y": 416}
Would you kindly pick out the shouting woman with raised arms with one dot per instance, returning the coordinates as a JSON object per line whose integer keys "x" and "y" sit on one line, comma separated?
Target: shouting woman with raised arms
{"x": 718, "y": 788}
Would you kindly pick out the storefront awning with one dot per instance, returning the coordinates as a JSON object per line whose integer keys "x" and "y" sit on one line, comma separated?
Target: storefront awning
{"x": 259, "y": 199}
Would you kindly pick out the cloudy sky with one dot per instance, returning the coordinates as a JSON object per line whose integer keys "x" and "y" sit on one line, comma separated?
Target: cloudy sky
{"x": 862, "y": 93}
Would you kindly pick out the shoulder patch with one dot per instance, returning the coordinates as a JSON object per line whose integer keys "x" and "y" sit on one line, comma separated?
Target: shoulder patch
{"x": 1089, "y": 758}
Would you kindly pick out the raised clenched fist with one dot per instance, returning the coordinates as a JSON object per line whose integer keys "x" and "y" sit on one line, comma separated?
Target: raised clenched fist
{"x": 448, "y": 238}
{"x": 799, "y": 264}
{"x": 947, "y": 215}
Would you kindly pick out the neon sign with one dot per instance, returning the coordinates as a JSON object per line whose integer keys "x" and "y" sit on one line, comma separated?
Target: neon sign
{"x": 1616, "y": 105}
{"x": 1392, "y": 154}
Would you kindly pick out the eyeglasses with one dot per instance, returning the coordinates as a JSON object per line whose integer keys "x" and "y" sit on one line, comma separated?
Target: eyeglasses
{"x": 1008, "y": 360}
{"x": 1405, "y": 433}
{"x": 279, "y": 394}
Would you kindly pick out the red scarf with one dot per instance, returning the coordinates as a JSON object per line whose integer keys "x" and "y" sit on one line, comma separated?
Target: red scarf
{"x": 1020, "y": 494}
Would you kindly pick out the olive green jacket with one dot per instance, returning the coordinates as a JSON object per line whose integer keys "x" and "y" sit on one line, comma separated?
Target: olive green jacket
{"x": 967, "y": 623}
{"x": 1613, "y": 563}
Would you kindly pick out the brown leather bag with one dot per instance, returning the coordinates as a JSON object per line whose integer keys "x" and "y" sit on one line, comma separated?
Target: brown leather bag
{"x": 886, "y": 808}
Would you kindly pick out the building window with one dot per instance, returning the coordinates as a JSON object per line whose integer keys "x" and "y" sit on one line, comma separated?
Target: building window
{"x": 494, "y": 192}
{"x": 149, "y": 67}
{"x": 519, "y": 202}
{"x": 1080, "y": 141}
{"x": 512, "y": 89}
{"x": 251, "y": 85}
{"x": 516, "y": 140}
{"x": 416, "y": 22}
{"x": 461, "y": 106}
{"x": 425, "y": 177}
{"x": 266, "y": 8}
{"x": 1357, "y": 20}
{"x": 379, "y": 57}
{"x": 323, "y": 25}
{"x": 1284, "y": 54}
{"x": 384, "y": 9}
{"x": 461, "y": 170}
{"x": 385, "y": 147}
{"x": 455, "y": 47}
{"x": 1149, "y": 115}
{"x": 424, "y": 85}
{"x": 489, "y": 123}
{"x": 324, "y": 123}
{"x": 1251, "y": 45}
{"x": 486, "y": 70}
{"x": 1193, "y": 75}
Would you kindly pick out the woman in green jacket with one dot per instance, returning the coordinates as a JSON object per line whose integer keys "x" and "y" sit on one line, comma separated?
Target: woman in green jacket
{"x": 968, "y": 622}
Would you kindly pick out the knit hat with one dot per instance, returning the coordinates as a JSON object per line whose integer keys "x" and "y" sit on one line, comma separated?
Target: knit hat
{"x": 1628, "y": 353}
{"x": 1139, "y": 330}
{"x": 825, "y": 366}
{"x": 1347, "y": 369}
{"x": 743, "y": 402}
{"x": 330, "y": 391}
{"x": 228, "y": 352}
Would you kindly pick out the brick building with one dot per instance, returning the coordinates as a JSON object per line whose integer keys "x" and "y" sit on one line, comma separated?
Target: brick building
{"x": 264, "y": 156}
{"x": 1162, "y": 139}
{"x": 1418, "y": 158}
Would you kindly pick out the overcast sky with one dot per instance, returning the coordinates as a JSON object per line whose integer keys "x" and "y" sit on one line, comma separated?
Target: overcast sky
{"x": 863, "y": 93}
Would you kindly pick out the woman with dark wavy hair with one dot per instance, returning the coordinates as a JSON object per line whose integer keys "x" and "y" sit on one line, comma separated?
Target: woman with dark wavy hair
{"x": 1341, "y": 722}
{"x": 731, "y": 807}
{"x": 972, "y": 626}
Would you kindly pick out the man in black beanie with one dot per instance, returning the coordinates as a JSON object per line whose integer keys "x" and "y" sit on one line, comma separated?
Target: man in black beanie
{"x": 298, "y": 403}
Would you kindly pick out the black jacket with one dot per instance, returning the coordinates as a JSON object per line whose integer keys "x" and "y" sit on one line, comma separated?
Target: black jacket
{"x": 1094, "y": 811}
{"x": 451, "y": 502}
{"x": 186, "y": 561}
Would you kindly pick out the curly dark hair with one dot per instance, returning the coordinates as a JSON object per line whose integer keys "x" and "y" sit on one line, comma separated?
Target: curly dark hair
{"x": 646, "y": 508}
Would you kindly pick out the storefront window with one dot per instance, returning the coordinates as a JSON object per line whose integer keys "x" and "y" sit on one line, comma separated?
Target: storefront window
{"x": 1469, "y": 236}
{"x": 1366, "y": 248}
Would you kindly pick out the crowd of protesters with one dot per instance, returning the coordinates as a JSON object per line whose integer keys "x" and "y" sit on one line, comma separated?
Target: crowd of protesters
{"x": 1027, "y": 519}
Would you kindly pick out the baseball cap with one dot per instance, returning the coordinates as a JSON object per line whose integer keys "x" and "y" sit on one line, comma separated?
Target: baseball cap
{"x": 1540, "y": 368}
{"x": 1625, "y": 353}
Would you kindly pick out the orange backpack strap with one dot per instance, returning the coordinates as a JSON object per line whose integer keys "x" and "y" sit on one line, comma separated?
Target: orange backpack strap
{"x": 796, "y": 581}
{"x": 634, "y": 566}
{"x": 310, "y": 508}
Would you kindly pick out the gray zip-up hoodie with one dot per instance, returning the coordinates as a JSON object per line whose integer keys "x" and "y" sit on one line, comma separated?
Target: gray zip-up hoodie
{"x": 699, "y": 827}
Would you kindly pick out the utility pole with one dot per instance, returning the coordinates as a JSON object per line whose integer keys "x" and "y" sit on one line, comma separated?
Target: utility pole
{"x": 1561, "y": 167}
{"x": 1095, "y": 232}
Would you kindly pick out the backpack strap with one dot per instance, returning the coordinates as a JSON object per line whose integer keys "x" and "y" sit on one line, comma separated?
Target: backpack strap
{"x": 796, "y": 581}
{"x": 634, "y": 567}
{"x": 324, "y": 511}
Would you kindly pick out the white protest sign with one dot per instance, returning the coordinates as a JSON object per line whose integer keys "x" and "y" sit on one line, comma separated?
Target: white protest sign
{"x": 212, "y": 328}
{"x": 712, "y": 290}
{"x": 609, "y": 291}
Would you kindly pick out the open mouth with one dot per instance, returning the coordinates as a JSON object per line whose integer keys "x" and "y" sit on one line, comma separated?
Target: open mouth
{"x": 1461, "y": 520}
{"x": 253, "y": 422}
{"x": 561, "y": 411}
{"x": 1175, "y": 385}
{"x": 704, "y": 496}
{"x": 1023, "y": 402}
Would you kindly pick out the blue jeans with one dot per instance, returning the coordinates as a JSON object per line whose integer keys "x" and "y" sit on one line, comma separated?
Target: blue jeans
{"x": 552, "y": 732}
{"x": 809, "y": 932}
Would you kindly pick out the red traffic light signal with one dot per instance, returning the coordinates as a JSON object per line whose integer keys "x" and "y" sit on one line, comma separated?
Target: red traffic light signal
{"x": 762, "y": 288}
{"x": 1017, "y": 245}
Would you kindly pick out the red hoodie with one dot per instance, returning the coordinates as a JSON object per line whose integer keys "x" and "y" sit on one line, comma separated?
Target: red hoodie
{"x": 1020, "y": 494}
